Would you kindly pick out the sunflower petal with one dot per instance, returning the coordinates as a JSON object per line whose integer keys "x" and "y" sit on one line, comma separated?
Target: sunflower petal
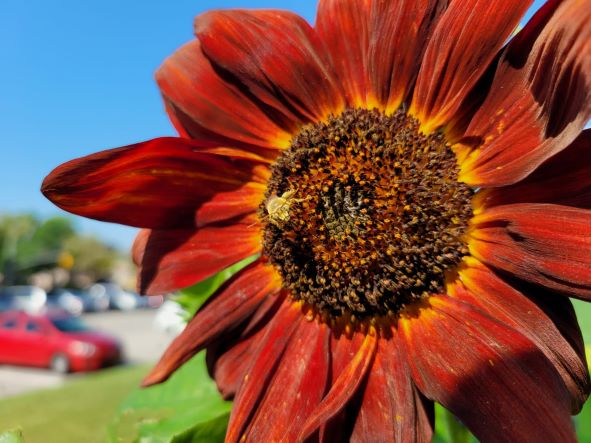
{"x": 174, "y": 259}
{"x": 162, "y": 183}
{"x": 403, "y": 29}
{"x": 272, "y": 346}
{"x": 564, "y": 179}
{"x": 230, "y": 357}
{"x": 490, "y": 376}
{"x": 344, "y": 26}
{"x": 346, "y": 383}
{"x": 391, "y": 409}
{"x": 523, "y": 312}
{"x": 276, "y": 56}
{"x": 540, "y": 98}
{"x": 543, "y": 244}
{"x": 234, "y": 302}
{"x": 465, "y": 41}
{"x": 194, "y": 89}
{"x": 373, "y": 74}
{"x": 298, "y": 384}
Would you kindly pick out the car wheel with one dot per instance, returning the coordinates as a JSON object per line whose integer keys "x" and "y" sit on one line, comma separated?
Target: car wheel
{"x": 60, "y": 364}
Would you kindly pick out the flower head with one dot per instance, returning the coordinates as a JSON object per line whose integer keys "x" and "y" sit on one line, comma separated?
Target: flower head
{"x": 418, "y": 193}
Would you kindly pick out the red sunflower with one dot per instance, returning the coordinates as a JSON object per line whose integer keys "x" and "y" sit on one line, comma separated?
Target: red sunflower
{"x": 418, "y": 193}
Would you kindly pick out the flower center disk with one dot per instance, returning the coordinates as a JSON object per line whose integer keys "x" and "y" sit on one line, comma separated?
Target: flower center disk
{"x": 364, "y": 214}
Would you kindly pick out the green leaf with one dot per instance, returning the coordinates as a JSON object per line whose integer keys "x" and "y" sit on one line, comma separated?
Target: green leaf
{"x": 193, "y": 297}
{"x": 186, "y": 408}
{"x": 583, "y": 420}
{"x": 212, "y": 431}
{"x": 583, "y": 423}
{"x": 448, "y": 429}
{"x": 12, "y": 437}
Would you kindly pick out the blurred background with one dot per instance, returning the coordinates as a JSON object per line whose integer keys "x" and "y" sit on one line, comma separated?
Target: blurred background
{"x": 75, "y": 339}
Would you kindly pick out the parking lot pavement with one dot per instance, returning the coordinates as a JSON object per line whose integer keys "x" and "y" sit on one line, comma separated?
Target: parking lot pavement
{"x": 142, "y": 343}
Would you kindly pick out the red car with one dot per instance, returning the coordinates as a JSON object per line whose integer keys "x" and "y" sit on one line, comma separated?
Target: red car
{"x": 55, "y": 340}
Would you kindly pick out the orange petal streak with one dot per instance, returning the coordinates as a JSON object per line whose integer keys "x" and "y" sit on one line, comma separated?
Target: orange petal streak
{"x": 564, "y": 179}
{"x": 402, "y": 30}
{"x": 194, "y": 90}
{"x": 163, "y": 183}
{"x": 376, "y": 46}
{"x": 483, "y": 288}
{"x": 540, "y": 98}
{"x": 491, "y": 377}
{"x": 276, "y": 56}
{"x": 464, "y": 43}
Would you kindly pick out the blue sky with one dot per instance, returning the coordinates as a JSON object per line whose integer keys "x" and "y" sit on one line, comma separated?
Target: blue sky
{"x": 77, "y": 77}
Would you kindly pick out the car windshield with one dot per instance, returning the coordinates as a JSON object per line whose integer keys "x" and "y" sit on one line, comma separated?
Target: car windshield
{"x": 70, "y": 324}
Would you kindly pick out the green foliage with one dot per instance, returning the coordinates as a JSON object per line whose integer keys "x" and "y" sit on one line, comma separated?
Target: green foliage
{"x": 448, "y": 429}
{"x": 29, "y": 244}
{"x": 11, "y": 437}
{"x": 78, "y": 412}
{"x": 52, "y": 233}
{"x": 185, "y": 409}
{"x": 583, "y": 420}
{"x": 91, "y": 256}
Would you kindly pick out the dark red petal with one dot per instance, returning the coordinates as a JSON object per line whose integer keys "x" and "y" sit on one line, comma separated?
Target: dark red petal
{"x": 260, "y": 373}
{"x": 481, "y": 287}
{"x": 391, "y": 409}
{"x": 276, "y": 56}
{"x": 564, "y": 179}
{"x": 190, "y": 84}
{"x": 344, "y": 26}
{"x": 230, "y": 357}
{"x": 465, "y": 41}
{"x": 175, "y": 259}
{"x": 401, "y": 32}
{"x": 162, "y": 183}
{"x": 233, "y": 303}
{"x": 543, "y": 244}
{"x": 376, "y": 74}
{"x": 489, "y": 375}
{"x": 230, "y": 367}
{"x": 359, "y": 353}
{"x": 540, "y": 98}
{"x": 298, "y": 384}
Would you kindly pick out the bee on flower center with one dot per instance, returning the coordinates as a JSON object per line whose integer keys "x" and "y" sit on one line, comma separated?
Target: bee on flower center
{"x": 277, "y": 207}
{"x": 382, "y": 219}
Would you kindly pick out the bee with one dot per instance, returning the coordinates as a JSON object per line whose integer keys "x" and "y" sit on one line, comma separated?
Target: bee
{"x": 278, "y": 207}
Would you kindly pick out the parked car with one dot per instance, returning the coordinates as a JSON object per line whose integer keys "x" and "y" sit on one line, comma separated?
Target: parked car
{"x": 149, "y": 301}
{"x": 26, "y": 298}
{"x": 69, "y": 300}
{"x": 118, "y": 298}
{"x": 94, "y": 299}
{"x": 56, "y": 340}
{"x": 7, "y": 301}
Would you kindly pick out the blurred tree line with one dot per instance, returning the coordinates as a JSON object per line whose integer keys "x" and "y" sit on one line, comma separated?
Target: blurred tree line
{"x": 29, "y": 245}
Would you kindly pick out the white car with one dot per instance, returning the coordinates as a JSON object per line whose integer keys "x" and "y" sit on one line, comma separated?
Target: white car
{"x": 118, "y": 298}
{"x": 31, "y": 299}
